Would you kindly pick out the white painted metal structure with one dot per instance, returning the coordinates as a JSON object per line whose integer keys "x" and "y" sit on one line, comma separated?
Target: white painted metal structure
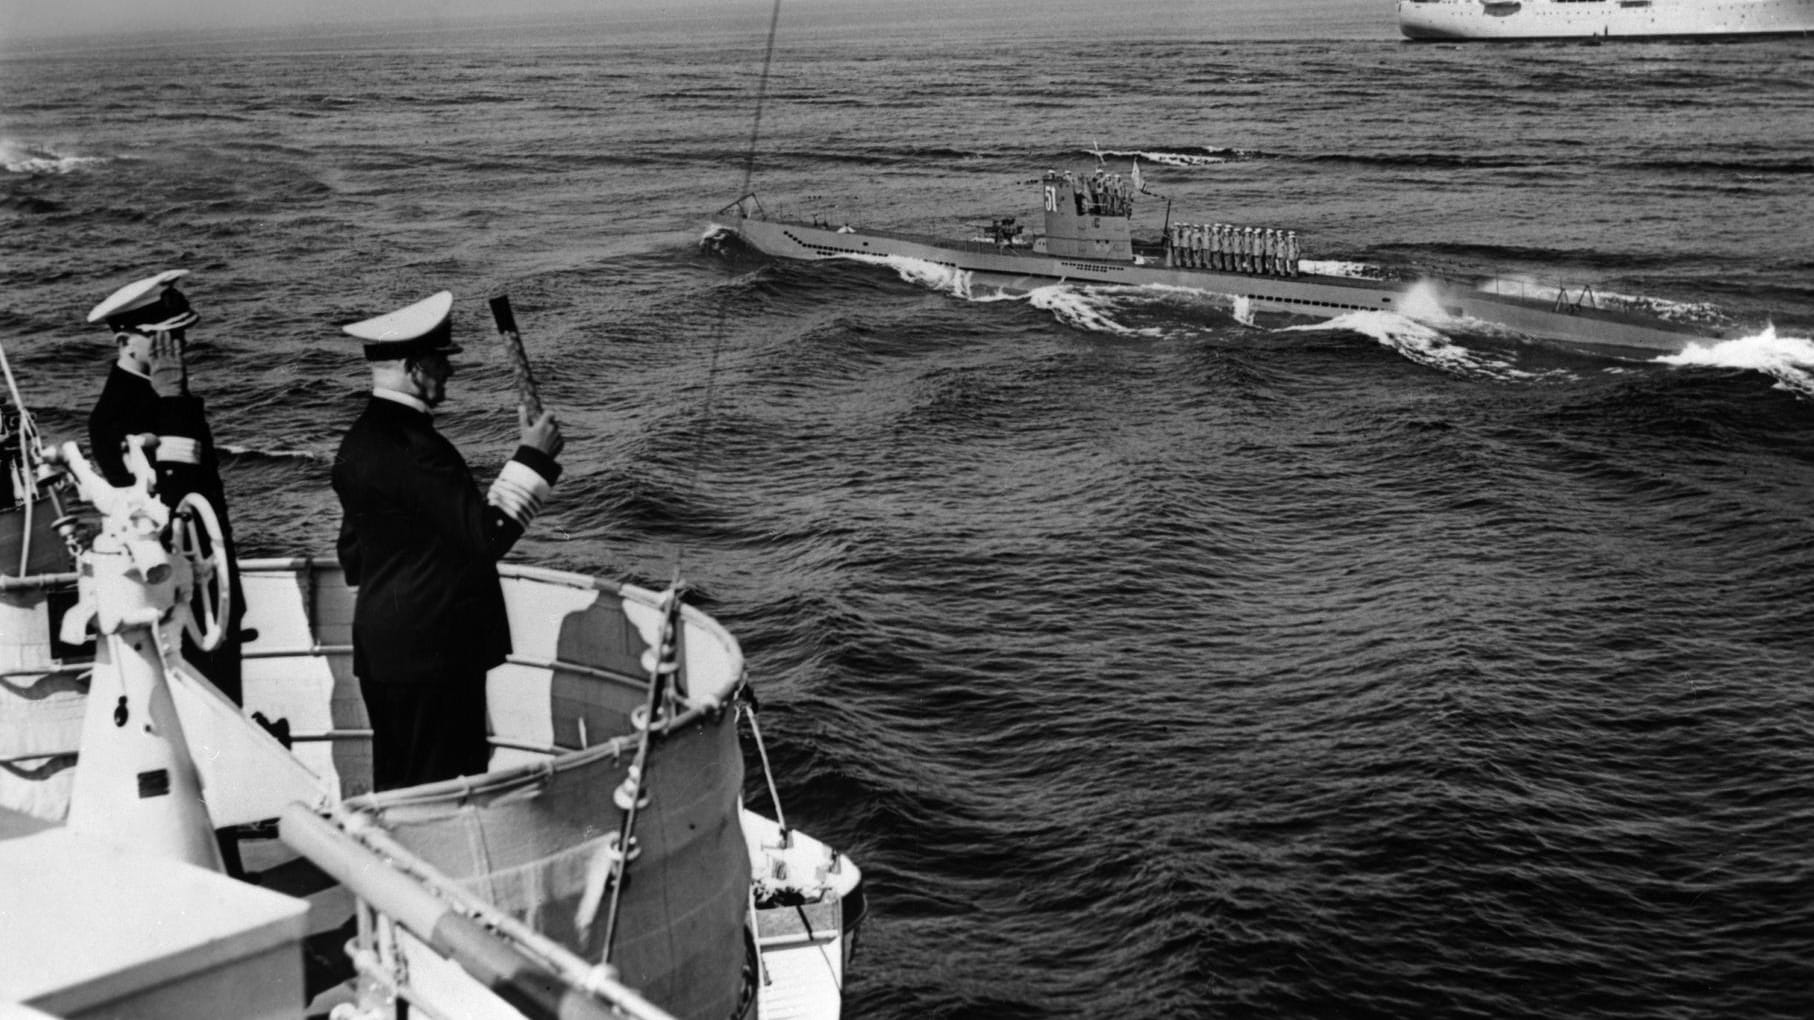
{"x": 96, "y": 930}
{"x": 467, "y": 889}
{"x": 1513, "y": 20}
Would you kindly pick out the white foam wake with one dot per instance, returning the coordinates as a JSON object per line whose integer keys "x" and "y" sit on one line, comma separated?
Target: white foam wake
{"x": 1205, "y": 157}
{"x": 1787, "y": 359}
{"x": 1087, "y": 308}
{"x": 19, "y": 158}
{"x": 274, "y": 454}
{"x": 942, "y": 278}
{"x": 1422, "y": 303}
{"x": 1417, "y": 342}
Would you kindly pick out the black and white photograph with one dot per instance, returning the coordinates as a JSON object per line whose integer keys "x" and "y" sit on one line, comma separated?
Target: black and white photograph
{"x": 907, "y": 509}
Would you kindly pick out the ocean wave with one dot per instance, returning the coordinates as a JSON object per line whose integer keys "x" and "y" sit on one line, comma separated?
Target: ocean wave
{"x": 1091, "y": 309}
{"x": 942, "y": 278}
{"x": 1204, "y": 156}
{"x": 1417, "y": 342}
{"x": 1088, "y": 308}
{"x": 253, "y": 453}
{"x": 19, "y": 157}
{"x": 1756, "y": 169}
{"x": 1787, "y": 359}
{"x": 1427, "y": 160}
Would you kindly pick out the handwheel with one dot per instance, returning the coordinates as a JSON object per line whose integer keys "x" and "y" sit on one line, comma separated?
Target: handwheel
{"x": 196, "y": 536}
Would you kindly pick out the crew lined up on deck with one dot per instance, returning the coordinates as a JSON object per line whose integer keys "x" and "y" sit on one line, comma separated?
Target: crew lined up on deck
{"x": 1261, "y": 250}
{"x": 1101, "y": 194}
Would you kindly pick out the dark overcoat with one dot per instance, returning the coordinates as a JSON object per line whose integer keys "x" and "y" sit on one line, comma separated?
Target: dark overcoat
{"x": 421, "y": 544}
{"x": 128, "y": 405}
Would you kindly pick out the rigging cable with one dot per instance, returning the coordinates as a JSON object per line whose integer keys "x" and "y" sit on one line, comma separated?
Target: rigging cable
{"x": 724, "y": 301}
{"x": 612, "y": 863}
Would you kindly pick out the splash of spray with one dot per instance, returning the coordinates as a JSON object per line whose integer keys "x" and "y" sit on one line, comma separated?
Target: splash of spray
{"x": 942, "y": 278}
{"x": 1418, "y": 343}
{"x": 1084, "y": 308}
{"x": 1787, "y": 359}
{"x": 1420, "y": 302}
{"x": 19, "y": 158}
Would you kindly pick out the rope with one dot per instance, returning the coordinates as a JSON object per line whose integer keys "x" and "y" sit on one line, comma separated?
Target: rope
{"x": 749, "y": 173}
{"x": 768, "y": 58}
{"x": 660, "y": 685}
{"x": 774, "y": 796}
{"x": 711, "y": 375}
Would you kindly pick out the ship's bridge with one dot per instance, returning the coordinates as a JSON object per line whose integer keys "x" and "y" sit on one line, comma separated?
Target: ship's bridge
{"x": 1088, "y": 217}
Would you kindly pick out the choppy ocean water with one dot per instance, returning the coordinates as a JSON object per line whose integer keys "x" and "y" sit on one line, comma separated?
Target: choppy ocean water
{"x": 1152, "y": 662}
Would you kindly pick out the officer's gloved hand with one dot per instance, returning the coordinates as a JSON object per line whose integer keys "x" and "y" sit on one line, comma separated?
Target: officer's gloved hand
{"x": 169, "y": 374}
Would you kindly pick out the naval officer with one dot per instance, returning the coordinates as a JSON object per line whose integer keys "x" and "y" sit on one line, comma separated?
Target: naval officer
{"x": 421, "y": 543}
{"x": 147, "y": 390}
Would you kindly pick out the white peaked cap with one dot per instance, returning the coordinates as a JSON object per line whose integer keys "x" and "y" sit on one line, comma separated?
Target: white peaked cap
{"x": 413, "y": 329}
{"x": 144, "y": 302}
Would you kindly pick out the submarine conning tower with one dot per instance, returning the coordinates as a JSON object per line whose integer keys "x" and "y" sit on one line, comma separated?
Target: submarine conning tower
{"x": 1088, "y": 217}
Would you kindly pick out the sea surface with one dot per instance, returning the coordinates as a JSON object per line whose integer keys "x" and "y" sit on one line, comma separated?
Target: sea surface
{"x": 1152, "y": 661}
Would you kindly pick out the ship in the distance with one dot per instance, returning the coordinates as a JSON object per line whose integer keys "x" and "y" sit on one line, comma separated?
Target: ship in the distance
{"x": 1525, "y": 20}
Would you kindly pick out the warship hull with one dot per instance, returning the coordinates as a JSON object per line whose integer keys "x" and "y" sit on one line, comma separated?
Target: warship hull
{"x": 710, "y": 921}
{"x": 1567, "y": 321}
{"x": 1534, "y": 20}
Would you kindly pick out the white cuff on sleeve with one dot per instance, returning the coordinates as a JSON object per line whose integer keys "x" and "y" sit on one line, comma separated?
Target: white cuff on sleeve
{"x": 178, "y": 450}
{"x": 519, "y": 492}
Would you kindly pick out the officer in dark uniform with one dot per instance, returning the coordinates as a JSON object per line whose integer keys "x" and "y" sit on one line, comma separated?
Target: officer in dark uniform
{"x": 147, "y": 390}
{"x": 421, "y": 543}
